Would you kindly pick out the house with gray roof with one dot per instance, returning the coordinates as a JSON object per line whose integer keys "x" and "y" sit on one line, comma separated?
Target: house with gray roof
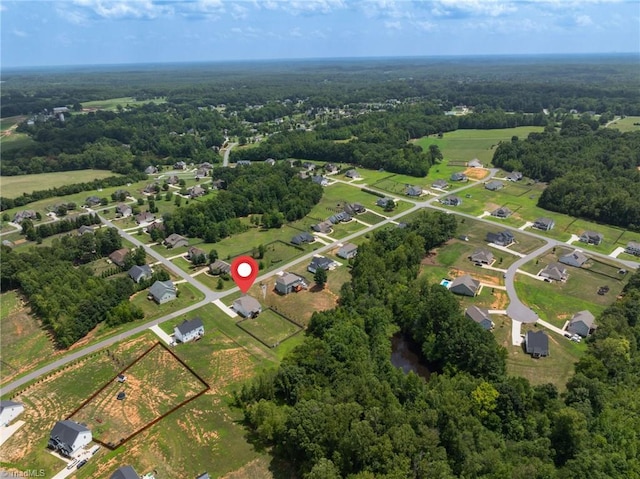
{"x": 20, "y": 216}
{"x": 440, "y": 184}
{"x": 9, "y": 410}
{"x": 493, "y": 185}
{"x": 219, "y": 267}
{"x": 175, "y": 241}
{"x": 537, "y": 344}
{"x": 84, "y": 229}
{"x": 576, "y": 258}
{"x": 354, "y": 209}
{"x": 324, "y": 227}
{"x": 173, "y": 180}
{"x": 204, "y": 475}
{"x": 303, "y": 238}
{"x": 68, "y": 436}
{"x": 592, "y": 237}
{"x": 331, "y": 168}
{"x": 458, "y": 177}
{"x": 502, "y": 212}
{"x": 270, "y": 161}
{"x": 196, "y": 191}
{"x": 145, "y": 217}
{"x": 451, "y": 200}
{"x": 92, "y": 201}
{"x": 179, "y": 165}
{"x": 544, "y": 224}
{"x": 139, "y": 273}
{"x": 289, "y": 282}
{"x": 554, "y": 271}
{"x": 163, "y": 292}
{"x": 353, "y": 174}
{"x": 193, "y": 253}
{"x": 189, "y": 330}
{"x": 341, "y": 217}
{"x": 514, "y": 176}
{"x": 320, "y": 180}
{"x": 125, "y": 472}
{"x": 475, "y": 163}
{"x": 503, "y": 238}
{"x": 123, "y": 210}
{"x": 348, "y": 251}
{"x": 385, "y": 202}
{"x": 465, "y": 285}
{"x": 480, "y": 316}
{"x": 320, "y": 262}
{"x": 247, "y": 307}
{"x": 151, "y": 170}
{"x": 482, "y": 255}
{"x": 633, "y": 248}
{"x": 582, "y": 323}
{"x": 413, "y": 191}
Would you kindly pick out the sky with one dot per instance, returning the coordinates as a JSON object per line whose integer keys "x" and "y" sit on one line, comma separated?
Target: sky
{"x": 87, "y": 32}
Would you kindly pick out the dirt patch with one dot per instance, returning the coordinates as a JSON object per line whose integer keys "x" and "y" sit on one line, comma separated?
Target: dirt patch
{"x": 500, "y": 300}
{"x": 476, "y": 173}
{"x": 256, "y": 469}
{"x": 430, "y": 259}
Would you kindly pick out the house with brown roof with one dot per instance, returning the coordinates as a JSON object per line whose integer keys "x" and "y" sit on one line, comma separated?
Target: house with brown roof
{"x": 118, "y": 256}
{"x": 175, "y": 241}
{"x": 554, "y": 271}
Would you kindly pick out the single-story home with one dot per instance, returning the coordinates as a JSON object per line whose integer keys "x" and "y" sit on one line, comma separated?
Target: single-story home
{"x": 288, "y": 283}
{"x": 482, "y": 255}
{"x": 544, "y": 224}
{"x": 138, "y": 273}
{"x": 494, "y": 185}
{"x": 475, "y": 163}
{"x": 150, "y": 170}
{"x": 451, "y": 200}
{"x": 9, "y": 410}
{"x": 247, "y": 307}
{"x": 196, "y": 191}
{"x": 458, "y": 177}
{"x": 84, "y": 229}
{"x": 465, "y": 285}
{"x": 219, "y": 267}
{"x": 218, "y": 184}
{"x": 582, "y": 323}
{"x": 123, "y": 210}
{"x": 173, "y": 180}
{"x": 503, "y": 238}
{"x": 340, "y": 217}
{"x": 270, "y": 161}
{"x": 514, "y": 176}
{"x": 320, "y": 180}
{"x": 502, "y": 212}
{"x": 576, "y": 258}
{"x": 440, "y": 184}
{"x": 125, "y": 472}
{"x": 353, "y": 174}
{"x": 480, "y": 316}
{"x": 354, "y": 209}
{"x": 145, "y": 217}
{"x": 323, "y": 227}
{"x": 175, "y": 241}
{"x": 348, "y": 251}
{"x": 92, "y": 201}
{"x": 24, "y": 215}
{"x": 163, "y": 292}
{"x": 303, "y": 238}
{"x": 331, "y": 168}
{"x": 555, "y": 271}
{"x": 118, "y": 256}
{"x": 592, "y": 237}
{"x": 537, "y": 344}
{"x": 202, "y": 173}
{"x": 68, "y": 436}
{"x": 320, "y": 262}
{"x": 179, "y": 165}
{"x": 413, "y": 191}
{"x": 189, "y": 330}
{"x": 633, "y": 248}
{"x": 193, "y": 253}
{"x": 385, "y": 202}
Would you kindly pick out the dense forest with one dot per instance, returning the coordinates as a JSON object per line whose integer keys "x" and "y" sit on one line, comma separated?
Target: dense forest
{"x": 592, "y": 173}
{"x": 336, "y": 407}
{"x": 68, "y": 298}
{"x": 274, "y": 194}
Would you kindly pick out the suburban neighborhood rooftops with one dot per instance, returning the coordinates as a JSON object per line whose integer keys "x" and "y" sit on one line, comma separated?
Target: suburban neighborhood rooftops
{"x": 189, "y": 325}
{"x": 67, "y": 431}
{"x": 478, "y": 314}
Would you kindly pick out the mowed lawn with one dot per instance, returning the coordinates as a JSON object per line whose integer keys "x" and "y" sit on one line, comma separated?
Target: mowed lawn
{"x": 9, "y": 121}
{"x": 187, "y": 295}
{"x": 112, "y": 103}
{"x": 13, "y": 186}
{"x": 15, "y": 141}
{"x": 465, "y": 145}
{"x": 626, "y": 124}
{"x": 270, "y": 327}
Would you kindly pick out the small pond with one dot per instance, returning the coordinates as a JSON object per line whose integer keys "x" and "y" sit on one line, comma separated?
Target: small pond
{"x": 405, "y": 354}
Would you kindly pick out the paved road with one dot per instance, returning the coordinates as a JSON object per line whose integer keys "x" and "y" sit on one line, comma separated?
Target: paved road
{"x": 225, "y": 158}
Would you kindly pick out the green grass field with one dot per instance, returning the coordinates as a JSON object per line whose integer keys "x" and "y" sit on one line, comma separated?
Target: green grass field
{"x": 13, "y": 186}
{"x": 187, "y": 296}
{"x": 112, "y": 103}
{"x": 15, "y": 141}
{"x": 270, "y": 327}
{"x": 8, "y": 122}
{"x": 626, "y": 124}
{"x": 465, "y": 145}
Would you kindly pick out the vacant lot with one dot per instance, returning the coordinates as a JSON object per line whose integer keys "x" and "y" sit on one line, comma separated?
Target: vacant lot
{"x": 155, "y": 384}
{"x": 13, "y": 186}
{"x": 270, "y": 327}
{"x": 8, "y": 122}
{"x": 630, "y": 123}
{"x": 112, "y": 103}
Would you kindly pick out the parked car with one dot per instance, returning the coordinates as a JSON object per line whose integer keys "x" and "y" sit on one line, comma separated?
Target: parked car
{"x": 81, "y": 463}
{"x": 72, "y": 463}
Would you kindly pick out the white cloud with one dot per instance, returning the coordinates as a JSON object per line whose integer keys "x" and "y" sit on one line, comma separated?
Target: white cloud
{"x": 20, "y": 33}
{"x": 113, "y": 9}
{"x": 296, "y": 32}
{"x": 393, "y": 25}
{"x": 3, "y": 8}
{"x": 238, "y": 12}
{"x": 584, "y": 21}
{"x": 461, "y": 8}
{"x": 425, "y": 26}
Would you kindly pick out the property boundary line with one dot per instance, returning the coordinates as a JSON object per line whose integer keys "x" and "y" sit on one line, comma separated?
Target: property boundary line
{"x": 271, "y": 346}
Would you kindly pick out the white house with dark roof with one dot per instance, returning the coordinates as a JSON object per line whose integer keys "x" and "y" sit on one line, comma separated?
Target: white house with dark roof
{"x": 247, "y": 307}
{"x": 9, "y": 410}
{"x": 139, "y": 273}
{"x": 582, "y": 323}
{"x": 163, "y": 292}
{"x": 189, "y": 330}
{"x": 633, "y": 248}
{"x": 320, "y": 262}
{"x": 348, "y": 251}
{"x": 465, "y": 285}
{"x": 592, "y": 237}
{"x": 544, "y": 224}
{"x": 480, "y": 316}
{"x": 576, "y": 258}
{"x": 67, "y": 437}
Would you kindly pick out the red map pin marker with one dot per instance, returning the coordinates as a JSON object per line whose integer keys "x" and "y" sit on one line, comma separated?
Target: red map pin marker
{"x": 244, "y": 271}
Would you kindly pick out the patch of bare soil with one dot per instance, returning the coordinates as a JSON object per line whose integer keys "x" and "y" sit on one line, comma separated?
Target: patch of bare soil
{"x": 500, "y": 300}
{"x": 256, "y": 469}
{"x": 476, "y": 173}
{"x": 430, "y": 258}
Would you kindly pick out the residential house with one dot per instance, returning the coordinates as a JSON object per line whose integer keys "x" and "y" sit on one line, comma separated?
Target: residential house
{"x": 303, "y": 238}
{"x": 289, "y": 282}
{"x": 308, "y": 166}
{"x": 502, "y": 212}
{"x": 218, "y": 184}
{"x": 480, "y": 316}
{"x": 353, "y": 174}
{"x": 354, "y": 208}
{"x": 592, "y": 237}
{"x": 219, "y": 267}
{"x": 633, "y": 248}
{"x": 303, "y": 175}
{"x": 68, "y": 436}
{"x": 514, "y": 176}
{"x": 9, "y": 410}
{"x": 173, "y": 180}
{"x": 483, "y": 256}
{"x": 243, "y": 163}
{"x": 582, "y": 323}
{"x": 348, "y": 251}
{"x": 121, "y": 194}
{"x": 196, "y": 191}
{"x": 504, "y": 238}
{"x": 156, "y": 225}
{"x": 324, "y": 227}
{"x": 163, "y": 292}
{"x": 576, "y": 258}
{"x": 125, "y": 472}
{"x": 544, "y": 224}
{"x": 330, "y": 168}
{"x": 465, "y": 285}
{"x": 139, "y": 273}
{"x": 24, "y": 215}
{"x": 341, "y": 217}
{"x": 205, "y": 166}
{"x": 145, "y": 217}
{"x": 320, "y": 180}
{"x": 193, "y": 253}
{"x": 189, "y": 330}
{"x": 270, "y": 161}
{"x": 204, "y": 475}
{"x": 458, "y": 177}
{"x": 118, "y": 256}
{"x": 441, "y": 184}
{"x": 175, "y": 241}
{"x": 554, "y": 271}
{"x": 202, "y": 173}
{"x": 92, "y": 201}
{"x": 123, "y": 210}
{"x": 475, "y": 163}
{"x": 151, "y": 188}
{"x": 320, "y": 262}
{"x": 493, "y": 185}
{"x": 179, "y": 165}
{"x": 413, "y": 191}
{"x": 151, "y": 170}
{"x": 247, "y": 307}
{"x": 385, "y": 202}
{"x": 537, "y": 344}
{"x": 84, "y": 229}
{"x": 451, "y": 200}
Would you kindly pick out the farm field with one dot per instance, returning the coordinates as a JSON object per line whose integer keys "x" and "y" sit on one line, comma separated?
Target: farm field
{"x": 465, "y": 145}
{"x": 15, "y": 141}
{"x": 112, "y": 103}
{"x": 626, "y": 124}
{"x": 14, "y": 186}
{"x": 156, "y": 382}
{"x": 9, "y": 121}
